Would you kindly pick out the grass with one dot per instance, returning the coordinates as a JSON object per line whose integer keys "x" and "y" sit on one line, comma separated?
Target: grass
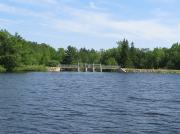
{"x": 31, "y": 68}
{"x": 2, "y": 69}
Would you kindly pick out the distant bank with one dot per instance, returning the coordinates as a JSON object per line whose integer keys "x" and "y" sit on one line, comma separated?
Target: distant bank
{"x": 29, "y": 68}
{"x": 133, "y": 70}
{"x": 18, "y": 54}
{"x": 57, "y": 69}
{"x": 126, "y": 70}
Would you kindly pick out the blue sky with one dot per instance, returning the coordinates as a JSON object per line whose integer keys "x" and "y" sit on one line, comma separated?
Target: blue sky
{"x": 93, "y": 23}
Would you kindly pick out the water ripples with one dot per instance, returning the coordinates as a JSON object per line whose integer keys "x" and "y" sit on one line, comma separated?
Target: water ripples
{"x": 89, "y": 103}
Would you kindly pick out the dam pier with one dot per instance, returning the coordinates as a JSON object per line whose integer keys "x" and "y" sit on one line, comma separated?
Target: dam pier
{"x": 87, "y": 68}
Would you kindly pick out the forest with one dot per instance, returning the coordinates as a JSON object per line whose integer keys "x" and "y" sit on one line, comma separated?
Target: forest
{"x": 16, "y": 52}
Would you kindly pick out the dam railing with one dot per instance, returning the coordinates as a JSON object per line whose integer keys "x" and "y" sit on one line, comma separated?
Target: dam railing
{"x": 90, "y": 68}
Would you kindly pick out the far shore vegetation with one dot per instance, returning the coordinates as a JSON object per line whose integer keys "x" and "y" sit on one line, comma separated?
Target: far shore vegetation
{"x": 2, "y": 69}
{"x": 19, "y": 55}
{"x": 31, "y": 68}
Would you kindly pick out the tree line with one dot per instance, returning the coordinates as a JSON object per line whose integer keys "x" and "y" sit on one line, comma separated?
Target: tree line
{"x": 16, "y": 51}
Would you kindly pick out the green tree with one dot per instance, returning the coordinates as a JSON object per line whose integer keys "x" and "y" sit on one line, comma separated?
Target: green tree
{"x": 125, "y": 57}
{"x": 71, "y": 55}
{"x": 53, "y": 63}
{"x": 9, "y": 62}
{"x": 61, "y": 54}
{"x": 111, "y": 61}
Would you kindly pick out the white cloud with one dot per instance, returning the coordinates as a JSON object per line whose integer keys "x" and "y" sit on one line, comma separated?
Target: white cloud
{"x": 92, "y": 5}
{"x": 7, "y": 9}
{"x": 14, "y": 10}
{"x": 18, "y": 11}
{"x": 101, "y": 24}
{"x": 162, "y": 1}
{"x": 96, "y": 23}
{"x": 6, "y": 21}
{"x": 39, "y": 2}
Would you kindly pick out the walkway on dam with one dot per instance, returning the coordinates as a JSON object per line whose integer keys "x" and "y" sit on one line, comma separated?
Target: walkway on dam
{"x": 90, "y": 68}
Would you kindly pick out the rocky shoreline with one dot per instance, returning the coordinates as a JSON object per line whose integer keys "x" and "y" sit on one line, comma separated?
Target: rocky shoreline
{"x": 132, "y": 70}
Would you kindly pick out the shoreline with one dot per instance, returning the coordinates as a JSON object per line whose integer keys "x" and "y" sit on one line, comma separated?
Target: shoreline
{"x": 133, "y": 70}
{"x": 162, "y": 71}
{"x": 56, "y": 69}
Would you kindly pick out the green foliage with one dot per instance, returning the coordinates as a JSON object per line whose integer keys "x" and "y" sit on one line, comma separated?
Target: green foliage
{"x": 2, "y": 69}
{"x": 31, "y": 68}
{"x": 71, "y": 55}
{"x": 60, "y": 55}
{"x": 125, "y": 59}
{"x": 9, "y": 62}
{"x": 53, "y": 63}
{"x": 15, "y": 51}
{"x": 111, "y": 61}
{"x": 18, "y": 54}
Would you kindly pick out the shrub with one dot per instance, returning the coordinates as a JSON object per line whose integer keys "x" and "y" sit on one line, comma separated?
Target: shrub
{"x": 2, "y": 69}
{"x": 32, "y": 68}
{"x": 9, "y": 62}
{"x": 53, "y": 63}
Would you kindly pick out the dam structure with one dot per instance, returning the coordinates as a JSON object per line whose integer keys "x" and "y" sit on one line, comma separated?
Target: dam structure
{"x": 88, "y": 68}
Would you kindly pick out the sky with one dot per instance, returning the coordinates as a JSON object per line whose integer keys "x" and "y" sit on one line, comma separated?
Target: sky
{"x": 93, "y": 23}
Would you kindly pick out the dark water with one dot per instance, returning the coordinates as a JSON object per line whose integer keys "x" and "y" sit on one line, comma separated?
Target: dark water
{"x": 88, "y": 103}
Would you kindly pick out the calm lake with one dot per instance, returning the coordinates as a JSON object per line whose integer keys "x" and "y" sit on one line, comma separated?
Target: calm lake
{"x": 87, "y": 103}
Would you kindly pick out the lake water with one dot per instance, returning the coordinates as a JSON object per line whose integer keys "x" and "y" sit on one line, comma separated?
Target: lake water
{"x": 88, "y": 103}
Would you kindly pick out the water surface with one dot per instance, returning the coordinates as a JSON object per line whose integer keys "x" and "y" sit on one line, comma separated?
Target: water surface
{"x": 86, "y": 103}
